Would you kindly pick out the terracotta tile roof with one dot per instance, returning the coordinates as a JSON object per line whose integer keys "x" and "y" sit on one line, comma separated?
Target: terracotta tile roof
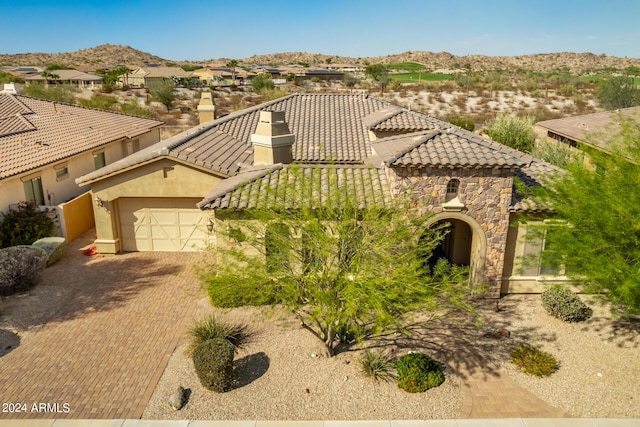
{"x": 157, "y": 72}
{"x": 266, "y": 186}
{"x": 590, "y": 128}
{"x": 34, "y": 132}
{"x": 328, "y": 128}
{"x": 64, "y": 75}
{"x": 447, "y": 148}
{"x": 333, "y": 129}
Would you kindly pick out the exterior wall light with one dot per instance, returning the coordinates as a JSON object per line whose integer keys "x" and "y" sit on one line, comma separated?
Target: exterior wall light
{"x": 209, "y": 225}
{"x": 99, "y": 202}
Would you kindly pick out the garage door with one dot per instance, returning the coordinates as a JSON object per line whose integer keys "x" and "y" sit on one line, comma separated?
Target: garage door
{"x": 158, "y": 224}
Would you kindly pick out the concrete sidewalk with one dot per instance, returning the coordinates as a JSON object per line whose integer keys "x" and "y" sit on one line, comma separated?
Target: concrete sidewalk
{"x": 488, "y": 422}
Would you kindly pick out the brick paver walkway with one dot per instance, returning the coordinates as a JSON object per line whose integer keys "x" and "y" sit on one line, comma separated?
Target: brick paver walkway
{"x": 105, "y": 349}
{"x": 498, "y": 396}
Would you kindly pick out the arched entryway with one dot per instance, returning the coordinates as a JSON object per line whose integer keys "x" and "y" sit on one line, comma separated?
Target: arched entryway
{"x": 456, "y": 245}
{"x": 465, "y": 243}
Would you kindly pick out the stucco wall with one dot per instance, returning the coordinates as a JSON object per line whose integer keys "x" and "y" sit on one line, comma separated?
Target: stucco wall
{"x": 161, "y": 178}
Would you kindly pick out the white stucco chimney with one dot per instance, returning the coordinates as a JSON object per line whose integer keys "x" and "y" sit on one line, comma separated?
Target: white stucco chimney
{"x": 206, "y": 108}
{"x": 272, "y": 141}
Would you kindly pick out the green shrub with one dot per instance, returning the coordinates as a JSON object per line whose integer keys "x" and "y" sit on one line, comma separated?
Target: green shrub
{"x": 377, "y": 365}
{"x": 261, "y": 83}
{"x": 54, "y": 246}
{"x": 462, "y": 122}
{"x": 565, "y": 305}
{"x": 418, "y": 372}
{"x": 230, "y": 295}
{"x": 512, "y": 131}
{"x": 20, "y": 268}
{"x": 209, "y": 328}
{"x": 213, "y": 362}
{"x": 533, "y": 361}
{"x": 24, "y": 225}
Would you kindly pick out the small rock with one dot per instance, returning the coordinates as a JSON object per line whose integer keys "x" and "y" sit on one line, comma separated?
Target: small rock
{"x": 346, "y": 378}
{"x": 306, "y": 391}
{"x": 314, "y": 355}
{"x": 178, "y": 399}
{"x": 599, "y": 374}
{"x": 346, "y": 362}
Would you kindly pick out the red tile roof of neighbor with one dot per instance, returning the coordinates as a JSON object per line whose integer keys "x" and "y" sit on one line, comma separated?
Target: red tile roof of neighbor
{"x": 35, "y": 132}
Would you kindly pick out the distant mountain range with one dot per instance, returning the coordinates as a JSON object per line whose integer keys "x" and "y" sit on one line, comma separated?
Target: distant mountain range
{"x": 107, "y": 55}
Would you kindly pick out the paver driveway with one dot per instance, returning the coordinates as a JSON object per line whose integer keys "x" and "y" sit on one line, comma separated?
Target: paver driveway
{"x": 118, "y": 321}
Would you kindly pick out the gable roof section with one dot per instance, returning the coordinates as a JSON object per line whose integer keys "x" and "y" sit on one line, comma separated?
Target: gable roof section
{"x": 35, "y": 132}
{"x": 448, "y": 148}
{"x": 270, "y": 186}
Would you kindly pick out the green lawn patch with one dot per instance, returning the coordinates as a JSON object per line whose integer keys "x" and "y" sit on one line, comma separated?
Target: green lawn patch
{"x": 420, "y": 77}
{"x": 408, "y": 66}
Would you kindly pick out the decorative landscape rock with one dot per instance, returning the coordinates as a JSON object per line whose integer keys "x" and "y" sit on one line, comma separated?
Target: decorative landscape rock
{"x": 20, "y": 268}
{"x": 54, "y": 247}
{"x": 178, "y": 399}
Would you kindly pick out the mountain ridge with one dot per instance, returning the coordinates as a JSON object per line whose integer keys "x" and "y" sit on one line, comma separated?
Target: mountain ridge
{"x": 108, "y": 55}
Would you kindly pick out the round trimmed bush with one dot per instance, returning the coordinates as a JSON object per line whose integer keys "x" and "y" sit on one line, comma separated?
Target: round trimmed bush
{"x": 20, "y": 268}
{"x": 418, "y": 372}
{"x": 213, "y": 361}
{"x": 565, "y": 305}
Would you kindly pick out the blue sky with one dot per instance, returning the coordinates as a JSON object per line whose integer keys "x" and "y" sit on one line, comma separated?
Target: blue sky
{"x": 199, "y": 30}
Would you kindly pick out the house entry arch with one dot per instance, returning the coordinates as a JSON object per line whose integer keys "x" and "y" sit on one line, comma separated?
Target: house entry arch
{"x": 465, "y": 244}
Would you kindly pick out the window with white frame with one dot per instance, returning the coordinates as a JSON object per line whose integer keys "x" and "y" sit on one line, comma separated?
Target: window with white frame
{"x": 33, "y": 190}
{"x": 62, "y": 171}
{"x": 452, "y": 189}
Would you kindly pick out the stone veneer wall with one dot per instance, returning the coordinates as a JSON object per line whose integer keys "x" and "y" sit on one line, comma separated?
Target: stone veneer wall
{"x": 486, "y": 195}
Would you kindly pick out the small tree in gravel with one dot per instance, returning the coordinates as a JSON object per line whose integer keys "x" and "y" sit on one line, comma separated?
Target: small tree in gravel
{"x": 334, "y": 263}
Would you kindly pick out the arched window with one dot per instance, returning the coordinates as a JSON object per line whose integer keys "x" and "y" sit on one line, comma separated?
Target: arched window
{"x": 452, "y": 189}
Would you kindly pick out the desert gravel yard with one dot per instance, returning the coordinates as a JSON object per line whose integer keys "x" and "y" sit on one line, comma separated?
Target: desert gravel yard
{"x": 598, "y": 375}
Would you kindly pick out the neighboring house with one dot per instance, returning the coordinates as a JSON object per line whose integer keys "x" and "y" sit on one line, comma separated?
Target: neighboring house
{"x": 588, "y": 129}
{"x": 153, "y": 200}
{"x": 145, "y": 77}
{"x": 45, "y": 146}
{"x": 72, "y": 77}
{"x": 222, "y": 76}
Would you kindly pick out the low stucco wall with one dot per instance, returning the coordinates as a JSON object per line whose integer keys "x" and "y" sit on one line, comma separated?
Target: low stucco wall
{"x": 77, "y": 215}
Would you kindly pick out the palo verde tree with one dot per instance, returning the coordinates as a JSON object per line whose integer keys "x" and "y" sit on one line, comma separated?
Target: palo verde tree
{"x": 379, "y": 73}
{"x": 597, "y": 208}
{"x": 353, "y": 262}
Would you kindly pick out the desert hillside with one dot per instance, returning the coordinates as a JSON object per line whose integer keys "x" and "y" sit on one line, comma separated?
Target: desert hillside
{"x": 108, "y": 55}
{"x": 103, "y": 56}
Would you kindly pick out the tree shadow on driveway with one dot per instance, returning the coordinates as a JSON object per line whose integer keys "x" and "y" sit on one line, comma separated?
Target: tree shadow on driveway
{"x": 79, "y": 285}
